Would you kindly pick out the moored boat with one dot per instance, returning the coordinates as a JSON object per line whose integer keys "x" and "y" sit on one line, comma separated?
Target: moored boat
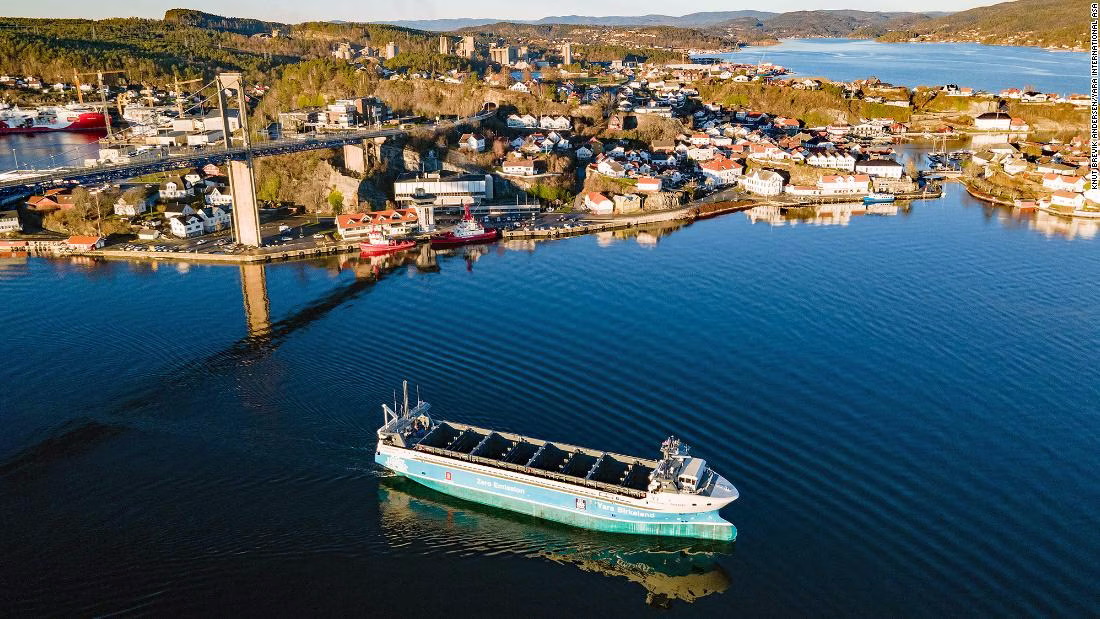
{"x": 677, "y": 495}
{"x": 378, "y": 244}
{"x": 465, "y": 232}
{"x": 52, "y": 118}
{"x": 878, "y": 198}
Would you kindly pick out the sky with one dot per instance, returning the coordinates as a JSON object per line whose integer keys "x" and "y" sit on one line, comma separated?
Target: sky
{"x": 293, "y": 11}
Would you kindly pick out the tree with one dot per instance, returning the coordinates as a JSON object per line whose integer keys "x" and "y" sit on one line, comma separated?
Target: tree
{"x": 336, "y": 201}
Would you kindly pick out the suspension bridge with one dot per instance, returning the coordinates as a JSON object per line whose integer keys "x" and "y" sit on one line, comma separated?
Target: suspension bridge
{"x": 236, "y": 153}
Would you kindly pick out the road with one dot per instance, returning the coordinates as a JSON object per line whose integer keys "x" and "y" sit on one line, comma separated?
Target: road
{"x": 200, "y": 157}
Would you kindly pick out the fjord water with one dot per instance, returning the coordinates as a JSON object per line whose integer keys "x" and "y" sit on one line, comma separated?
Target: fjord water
{"x": 982, "y": 67}
{"x": 907, "y": 404}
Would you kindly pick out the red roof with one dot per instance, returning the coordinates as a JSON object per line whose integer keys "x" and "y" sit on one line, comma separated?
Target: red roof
{"x": 390, "y": 216}
{"x": 82, "y": 240}
{"x": 595, "y": 196}
{"x": 719, "y": 165}
{"x": 1065, "y": 194}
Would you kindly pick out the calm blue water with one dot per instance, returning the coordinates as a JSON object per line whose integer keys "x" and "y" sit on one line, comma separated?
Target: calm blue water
{"x": 907, "y": 404}
{"x": 984, "y": 67}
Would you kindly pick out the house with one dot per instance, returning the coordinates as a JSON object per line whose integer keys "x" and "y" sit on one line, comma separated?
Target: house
{"x": 391, "y": 222}
{"x": 186, "y": 226}
{"x": 610, "y": 167}
{"x": 721, "y": 171}
{"x": 598, "y": 203}
{"x": 1059, "y": 182}
{"x": 520, "y": 87}
{"x": 1067, "y": 199}
{"x": 832, "y": 159}
{"x": 993, "y": 121}
{"x": 525, "y": 121}
{"x": 583, "y": 153}
{"x": 556, "y": 123}
{"x": 834, "y": 184}
{"x": 1018, "y": 124}
{"x": 519, "y": 167}
{"x": 214, "y": 218}
{"x": 84, "y": 243}
{"x": 9, "y": 222}
{"x": 802, "y": 190}
{"x": 148, "y": 234}
{"x": 51, "y": 200}
{"x": 1014, "y": 165}
{"x": 175, "y": 188}
{"x": 178, "y": 210}
{"x": 1055, "y": 168}
{"x": 215, "y": 196}
{"x": 471, "y": 142}
{"x": 649, "y": 183}
{"x": 763, "y": 182}
{"x": 880, "y": 167}
{"x": 134, "y": 202}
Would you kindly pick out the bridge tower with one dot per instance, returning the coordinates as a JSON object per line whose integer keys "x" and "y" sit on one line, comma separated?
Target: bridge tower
{"x": 242, "y": 178}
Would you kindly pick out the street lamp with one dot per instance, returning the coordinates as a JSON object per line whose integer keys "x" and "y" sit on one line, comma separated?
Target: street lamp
{"x": 15, "y": 156}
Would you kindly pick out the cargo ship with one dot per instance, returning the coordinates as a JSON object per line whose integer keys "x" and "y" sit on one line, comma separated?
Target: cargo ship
{"x": 73, "y": 117}
{"x": 677, "y": 495}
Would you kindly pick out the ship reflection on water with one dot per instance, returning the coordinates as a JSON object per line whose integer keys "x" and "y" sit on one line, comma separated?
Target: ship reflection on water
{"x": 418, "y": 519}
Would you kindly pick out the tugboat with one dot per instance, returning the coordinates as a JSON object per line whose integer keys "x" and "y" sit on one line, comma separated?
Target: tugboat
{"x": 378, "y": 244}
{"x": 465, "y": 232}
{"x": 878, "y": 198}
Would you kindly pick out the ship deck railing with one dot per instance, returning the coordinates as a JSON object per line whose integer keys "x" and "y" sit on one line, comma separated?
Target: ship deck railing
{"x": 536, "y": 472}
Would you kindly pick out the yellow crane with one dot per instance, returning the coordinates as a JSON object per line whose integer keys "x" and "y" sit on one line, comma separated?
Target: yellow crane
{"x": 176, "y": 83}
{"x": 102, "y": 91}
{"x": 99, "y": 75}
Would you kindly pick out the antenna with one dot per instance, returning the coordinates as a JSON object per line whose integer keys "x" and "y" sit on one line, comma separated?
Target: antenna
{"x": 405, "y": 387}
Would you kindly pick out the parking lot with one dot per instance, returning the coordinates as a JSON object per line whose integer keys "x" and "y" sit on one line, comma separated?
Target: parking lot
{"x": 299, "y": 232}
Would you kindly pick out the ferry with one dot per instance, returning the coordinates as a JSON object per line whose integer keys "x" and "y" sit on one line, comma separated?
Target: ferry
{"x": 72, "y": 117}
{"x": 878, "y": 198}
{"x": 677, "y": 495}
{"x": 466, "y": 232}
{"x": 378, "y": 244}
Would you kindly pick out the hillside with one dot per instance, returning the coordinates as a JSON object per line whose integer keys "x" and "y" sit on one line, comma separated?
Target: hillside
{"x": 637, "y": 38}
{"x": 1045, "y": 23}
{"x": 185, "y": 42}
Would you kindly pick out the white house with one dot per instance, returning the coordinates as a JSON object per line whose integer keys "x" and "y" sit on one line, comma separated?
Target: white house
{"x": 763, "y": 182}
{"x": 186, "y": 226}
{"x": 649, "y": 183}
{"x": 392, "y": 222}
{"x": 832, "y": 159}
{"x": 1059, "y": 182}
{"x": 519, "y": 167}
{"x": 802, "y": 190}
{"x": 1067, "y": 198}
{"x": 519, "y": 87}
{"x": 175, "y": 188}
{"x": 472, "y": 142}
{"x": 525, "y": 121}
{"x": 132, "y": 204}
{"x": 720, "y": 171}
{"x": 834, "y": 184}
{"x": 583, "y": 153}
{"x": 993, "y": 121}
{"x": 598, "y": 203}
{"x": 9, "y": 222}
{"x": 556, "y": 123}
{"x": 216, "y": 197}
{"x": 610, "y": 167}
{"x": 214, "y": 218}
{"x": 886, "y": 168}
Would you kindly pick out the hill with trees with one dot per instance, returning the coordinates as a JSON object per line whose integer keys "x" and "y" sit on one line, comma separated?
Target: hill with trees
{"x": 1045, "y": 23}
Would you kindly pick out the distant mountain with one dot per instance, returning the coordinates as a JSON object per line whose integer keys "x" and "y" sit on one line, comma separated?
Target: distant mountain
{"x": 690, "y": 20}
{"x": 1046, "y": 23}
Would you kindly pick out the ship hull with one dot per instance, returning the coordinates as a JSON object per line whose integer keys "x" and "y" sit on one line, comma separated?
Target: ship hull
{"x": 86, "y": 121}
{"x": 450, "y": 240}
{"x": 578, "y": 506}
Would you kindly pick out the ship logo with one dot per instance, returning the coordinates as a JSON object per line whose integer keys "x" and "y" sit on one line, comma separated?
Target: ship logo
{"x": 582, "y": 504}
{"x": 447, "y": 475}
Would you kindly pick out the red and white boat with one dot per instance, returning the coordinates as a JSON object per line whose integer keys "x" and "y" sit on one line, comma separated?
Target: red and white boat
{"x": 378, "y": 244}
{"x": 73, "y": 117}
{"x": 466, "y": 232}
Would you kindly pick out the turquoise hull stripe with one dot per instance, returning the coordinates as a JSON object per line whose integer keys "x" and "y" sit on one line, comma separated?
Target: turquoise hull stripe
{"x": 572, "y": 509}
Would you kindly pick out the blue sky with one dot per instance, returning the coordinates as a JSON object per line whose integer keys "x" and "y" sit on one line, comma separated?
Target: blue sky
{"x": 375, "y": 10}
